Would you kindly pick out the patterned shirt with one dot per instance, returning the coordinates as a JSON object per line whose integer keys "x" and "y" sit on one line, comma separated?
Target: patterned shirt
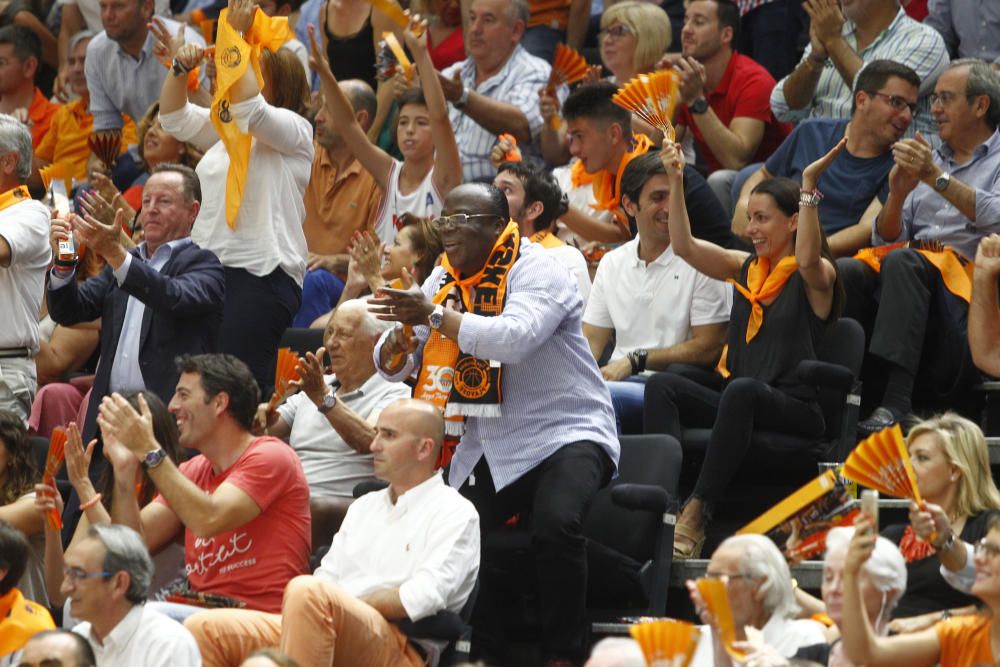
{"x": 904, "y": 41}
{"x": 971, "y": 28}
{"x": 517, "y": 83}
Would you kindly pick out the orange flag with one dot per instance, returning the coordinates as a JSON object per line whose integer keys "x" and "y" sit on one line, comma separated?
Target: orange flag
{"x": 233, "y": 54}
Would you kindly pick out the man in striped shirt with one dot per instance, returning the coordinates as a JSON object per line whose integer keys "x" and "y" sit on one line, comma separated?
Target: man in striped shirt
{"x": 841, "y": 42}
{"x": 552, "y": 442}
{"x": 495, "y": 90}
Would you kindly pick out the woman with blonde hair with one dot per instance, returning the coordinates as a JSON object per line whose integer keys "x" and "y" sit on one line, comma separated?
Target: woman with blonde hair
{"x": 952, "y": 467}
{"x": 634, "y": 36}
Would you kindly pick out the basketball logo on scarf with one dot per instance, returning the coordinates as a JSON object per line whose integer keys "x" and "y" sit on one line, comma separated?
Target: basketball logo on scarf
{"x": 475, "y": 383}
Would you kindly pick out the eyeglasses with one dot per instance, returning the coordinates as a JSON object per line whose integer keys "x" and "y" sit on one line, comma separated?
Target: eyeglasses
{"x": 720, "y": 575}
{"x": 616, "y": 31}
{"x": 897, "y": 102}
{"x": 449, "y": 222}
{"x": 945, "y": 98}
{"x": 987, "y": 549}
{"x": 78, "y": 574}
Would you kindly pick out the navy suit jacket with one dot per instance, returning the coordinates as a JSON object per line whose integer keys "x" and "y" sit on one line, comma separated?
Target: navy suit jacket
{"x": 183, "y": 312}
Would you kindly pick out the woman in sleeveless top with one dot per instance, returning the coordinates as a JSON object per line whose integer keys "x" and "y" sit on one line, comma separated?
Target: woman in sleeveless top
{"x": 785, "y": 293}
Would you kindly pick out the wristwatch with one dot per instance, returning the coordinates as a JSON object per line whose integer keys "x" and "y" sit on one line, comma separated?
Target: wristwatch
{"x": 178, "y": 69}
{"x": 640, "y": 357}
{"x": 329, "y": 400}
{"x": 942, "y": 182}
{"x": 153, "y": 458}
{"x": 699, "y": 106}
{"x": 436, "y": 318}
{"x": 463, "y": 99}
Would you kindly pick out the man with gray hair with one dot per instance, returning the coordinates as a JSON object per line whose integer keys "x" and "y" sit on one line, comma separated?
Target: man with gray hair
{"x": 107, "y": 577}
{"x": 495, "y": 90}
{"x": 914, "y": 298}
{"x": 761, "y": 596}
{"x": 331, "y": 423}
{"x": 24, "y": 257}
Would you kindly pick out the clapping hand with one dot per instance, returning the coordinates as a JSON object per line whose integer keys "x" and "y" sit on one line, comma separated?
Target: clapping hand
{"x": 811, "y": 174}
{"x": 988, "y": 257}
{"x": 310, "y": 371}
{"x": 120, "y": 422}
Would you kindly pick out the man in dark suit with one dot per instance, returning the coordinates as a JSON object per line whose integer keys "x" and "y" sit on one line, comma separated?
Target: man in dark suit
{"x": 157, "y": 301}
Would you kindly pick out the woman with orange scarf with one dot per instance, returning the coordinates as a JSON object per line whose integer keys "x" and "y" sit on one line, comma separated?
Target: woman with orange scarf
{"x": 786, "y": 292}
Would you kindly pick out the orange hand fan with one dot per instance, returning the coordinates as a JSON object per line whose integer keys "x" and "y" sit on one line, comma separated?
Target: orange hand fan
{"x": 514, "y": 154}
{"x": 106, "y": 146}
{"x": 568, "y": 66}
{"x": 881, "y": 462}
{"x": 284, "y": 373}
{"x": 713, "y": 592}
{"x": 53, "y": 462}
{"x": 666, "y": 642}
{"x": 395, "y": 13}
{"x": 652, "y": 97}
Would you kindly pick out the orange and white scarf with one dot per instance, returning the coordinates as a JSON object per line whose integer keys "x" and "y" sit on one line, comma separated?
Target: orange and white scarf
{"x": 607, "y": 186}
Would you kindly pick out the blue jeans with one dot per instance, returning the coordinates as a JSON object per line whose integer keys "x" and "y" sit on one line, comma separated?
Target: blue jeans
{"x": 320, "y": 293}
{"x": 628, "y": 397}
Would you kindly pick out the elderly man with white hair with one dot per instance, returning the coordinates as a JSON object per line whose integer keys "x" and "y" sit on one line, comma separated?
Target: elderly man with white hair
{"x": 761, "y": 596}
{"x": 331, "y": 423}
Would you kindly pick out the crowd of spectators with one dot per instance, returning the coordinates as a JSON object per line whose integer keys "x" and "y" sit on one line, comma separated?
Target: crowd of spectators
{"x": 504, "y": 274}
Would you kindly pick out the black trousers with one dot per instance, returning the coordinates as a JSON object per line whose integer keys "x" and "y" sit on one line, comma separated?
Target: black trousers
{"x": 775, "y": 35}
{"x": 675, "y": 400}
{"x": 911, "y": 319}
{"x": 556, "y": 494}
{"x": 256, "y": 313}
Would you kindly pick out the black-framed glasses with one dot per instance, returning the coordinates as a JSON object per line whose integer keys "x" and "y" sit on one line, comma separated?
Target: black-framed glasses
{"x": 79, "y": 574}
{"x": 616, "y": 31}
{"x": 987, "y": 549}
{"x": 897, "y": 102}
{"x": 945, "y": 97}
{"x": 449, "y": 222}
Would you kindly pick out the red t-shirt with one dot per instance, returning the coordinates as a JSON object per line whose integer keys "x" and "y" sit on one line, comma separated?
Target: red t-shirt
{"x": 255, "y": 561}
{"x": 743, "y": 92}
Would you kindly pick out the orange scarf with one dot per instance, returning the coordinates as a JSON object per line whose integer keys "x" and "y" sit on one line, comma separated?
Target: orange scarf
{"x": 457, "y": 383}
{"x": 233, "y": 54}
{"x": 547, "y": 239}
{"x": 14, "y": 196}
{"x": 20, "y": 620}
{"x": 607, "y": 188}
{"x": 955, "y": 270}
{"x": 763, "y": 284}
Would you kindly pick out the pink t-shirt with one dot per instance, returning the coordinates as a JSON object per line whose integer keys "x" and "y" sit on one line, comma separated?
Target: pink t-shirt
{"x": 255, "y": 561}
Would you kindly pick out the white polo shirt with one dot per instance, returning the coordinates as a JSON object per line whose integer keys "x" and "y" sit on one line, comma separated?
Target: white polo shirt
{"x": 653, "y": 306}
{"x": 332, "y": 467}
{"x": 25, "y": 227}
{"x": 144, "y": 637}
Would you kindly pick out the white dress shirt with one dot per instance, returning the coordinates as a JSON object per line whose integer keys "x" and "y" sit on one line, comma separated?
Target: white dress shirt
{"x": 268, "y": 232}
{"x": 144, "y": 637}
{"x": 653, "y": 306}
{"x": 785, "y": 635}
{"x": 333, "y": 467}
{"x": 427, "y": 544}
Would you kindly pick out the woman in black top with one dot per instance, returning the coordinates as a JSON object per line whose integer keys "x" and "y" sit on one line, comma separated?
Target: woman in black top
{"x": 785, "y": 293}
{"x": 952, "y": 466}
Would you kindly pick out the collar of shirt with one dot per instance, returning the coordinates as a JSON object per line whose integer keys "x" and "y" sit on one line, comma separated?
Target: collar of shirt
{"x": 850, "y": 28}
{"x": 366, "y": 387}
{"x": 665, "y": 258}
{"x": 147, "y": 49}
{"x": 723, "y": 88}
{"x": 469, "y": 73}
{"x": 414, "y": 495}
{"x": 325, "y": 162}
{"x": 121, "y": 634}
{"x": 166, "y": 249}
{"x": 991, "y": 145}
{"x": 78, "y": 108}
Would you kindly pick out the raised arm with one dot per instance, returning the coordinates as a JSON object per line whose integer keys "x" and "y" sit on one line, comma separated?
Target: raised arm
{"x": 376, "y": 161}
{"x": 447, "y": 163}
{"x": 817, "y": 272}
{"x": 705, "y": 257}
{"x": 174, "y": 94}
{"x": 984, "y": 314}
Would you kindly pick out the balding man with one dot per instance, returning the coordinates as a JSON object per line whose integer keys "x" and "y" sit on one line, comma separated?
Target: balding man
{"x": 407, "y": 551}
{"x": 342, "y": 197}
{"x": 58, "y": 647}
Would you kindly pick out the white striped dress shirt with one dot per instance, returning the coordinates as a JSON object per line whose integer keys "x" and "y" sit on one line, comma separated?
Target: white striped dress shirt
{"x": 553, "y": 392}
{"x": 517, "y": 83}
{"x": 904, "y": 41}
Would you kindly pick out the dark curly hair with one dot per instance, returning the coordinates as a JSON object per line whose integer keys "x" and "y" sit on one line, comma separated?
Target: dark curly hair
{"x": 20, "y": 476}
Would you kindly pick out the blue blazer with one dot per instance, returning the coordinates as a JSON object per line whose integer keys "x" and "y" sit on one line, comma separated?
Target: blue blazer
{"x": 183, "y": 312}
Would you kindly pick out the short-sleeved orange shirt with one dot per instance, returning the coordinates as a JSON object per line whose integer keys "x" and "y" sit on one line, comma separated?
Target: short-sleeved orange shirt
{"x": 40, "y": 112}
{"x": 965, "y": 641}
{"x": 66, "y": 140}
